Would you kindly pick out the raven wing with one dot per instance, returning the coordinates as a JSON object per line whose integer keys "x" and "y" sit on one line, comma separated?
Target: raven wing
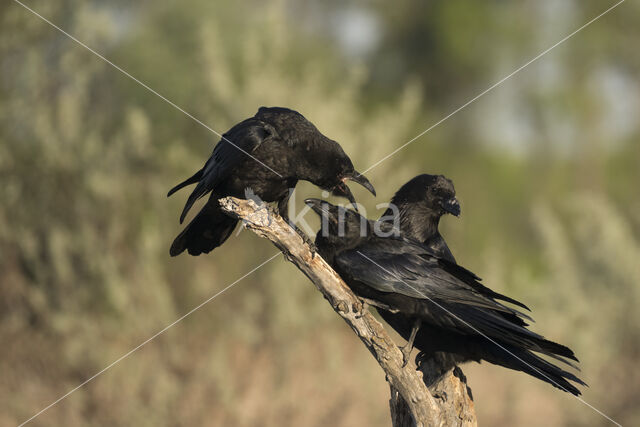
{"x": 402, "y": 267}
{"x": 245, "y": 137}
{"x": 448, "y": 263}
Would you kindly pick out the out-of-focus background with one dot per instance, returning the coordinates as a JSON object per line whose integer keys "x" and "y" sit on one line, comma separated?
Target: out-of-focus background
{"x": 547, "y": 167}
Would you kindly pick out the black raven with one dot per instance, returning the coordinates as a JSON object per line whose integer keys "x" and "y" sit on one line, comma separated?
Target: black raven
{"x": 416, "y": 209}
{"x": 455, "y": 314}
{"x": 266, "y": 154}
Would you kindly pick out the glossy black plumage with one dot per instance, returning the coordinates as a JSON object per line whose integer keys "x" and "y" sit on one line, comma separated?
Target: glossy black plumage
{"x": 462, "y": 320}
{"x": 270, "y": 153}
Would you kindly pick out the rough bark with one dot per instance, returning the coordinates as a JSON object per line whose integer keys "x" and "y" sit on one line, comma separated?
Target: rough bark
{"x": 412, "y": 403}
{"x": 451, "y": 393}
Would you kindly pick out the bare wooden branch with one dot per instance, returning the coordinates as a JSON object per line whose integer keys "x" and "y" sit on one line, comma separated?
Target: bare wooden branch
{"x": 412, "y": 395}
{"x": 451, "y": 393}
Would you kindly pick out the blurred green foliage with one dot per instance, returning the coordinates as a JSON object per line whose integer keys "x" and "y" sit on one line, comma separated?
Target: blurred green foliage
{"x": 547, "y": 167}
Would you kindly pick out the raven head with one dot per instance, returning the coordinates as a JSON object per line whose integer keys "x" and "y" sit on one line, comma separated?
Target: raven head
{"x": 442, "y": 195}
{"x": 434, "y": 194}
{"x": 338, "y": 221}
{"x": 330, "y": 168}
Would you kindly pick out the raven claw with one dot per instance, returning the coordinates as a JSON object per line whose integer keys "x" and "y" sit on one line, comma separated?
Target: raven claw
{"x": 406, "y": 354}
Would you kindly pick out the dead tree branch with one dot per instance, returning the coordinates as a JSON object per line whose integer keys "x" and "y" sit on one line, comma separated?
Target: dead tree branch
{"x": 412, "y": 403}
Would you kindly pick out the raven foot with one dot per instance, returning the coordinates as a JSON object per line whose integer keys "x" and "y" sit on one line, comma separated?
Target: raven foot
{"x": 408, "y": 347}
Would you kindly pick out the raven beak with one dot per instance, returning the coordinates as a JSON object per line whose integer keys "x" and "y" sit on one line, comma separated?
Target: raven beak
{"x": 362, "y": 180}
{"x": 318, "y": 206}
{"x": 452, "y": 206}
{"x": 342, "y": 190}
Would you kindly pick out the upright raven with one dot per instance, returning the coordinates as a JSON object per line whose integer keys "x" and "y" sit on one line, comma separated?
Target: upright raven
{"x": 454, "y": 313}
{"x": 267, "y": 154}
